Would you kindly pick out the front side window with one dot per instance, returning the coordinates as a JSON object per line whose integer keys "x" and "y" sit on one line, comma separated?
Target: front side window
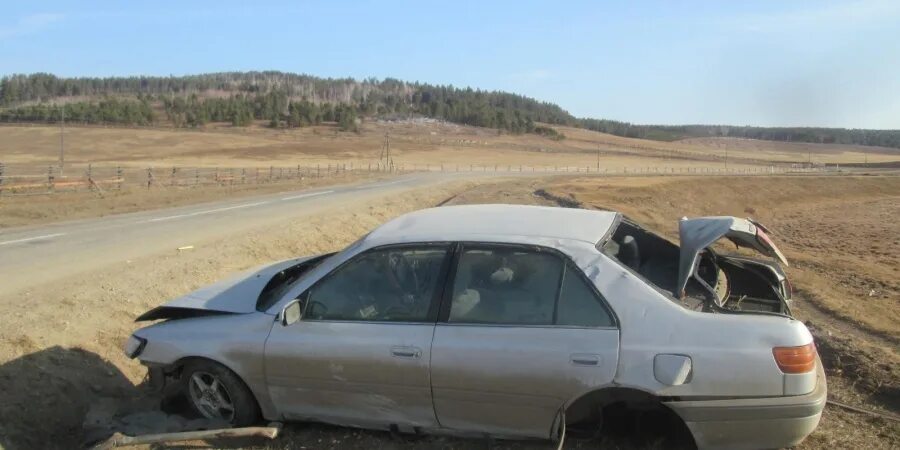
{"x": 521, "y": 286}
{"x": 395, "y": 284}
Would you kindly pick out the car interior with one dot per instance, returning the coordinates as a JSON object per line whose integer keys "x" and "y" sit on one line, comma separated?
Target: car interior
{"x": 505, "y": 285}
{"x": 382, "y": 285}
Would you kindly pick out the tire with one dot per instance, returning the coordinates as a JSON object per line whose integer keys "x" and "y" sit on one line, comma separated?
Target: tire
{"x": 215, "y": 392}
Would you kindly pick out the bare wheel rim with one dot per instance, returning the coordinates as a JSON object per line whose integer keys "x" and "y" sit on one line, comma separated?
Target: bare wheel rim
{"x": 209, "y": 396}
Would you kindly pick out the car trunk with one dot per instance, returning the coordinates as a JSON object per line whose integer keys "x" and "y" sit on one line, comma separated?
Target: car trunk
{"x": 700, "y": 278}
{"x": 738, "y": 283}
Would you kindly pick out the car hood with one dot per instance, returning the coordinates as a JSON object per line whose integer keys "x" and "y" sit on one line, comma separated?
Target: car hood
{"x": 699, "y": 233}
{"x": 237, "y": 294}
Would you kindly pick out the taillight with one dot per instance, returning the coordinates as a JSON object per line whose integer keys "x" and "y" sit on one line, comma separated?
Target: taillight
{"x": 800, "y": 359}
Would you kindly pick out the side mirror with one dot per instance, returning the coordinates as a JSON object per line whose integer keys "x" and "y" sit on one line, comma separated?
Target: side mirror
{"x": 291, "y": 312}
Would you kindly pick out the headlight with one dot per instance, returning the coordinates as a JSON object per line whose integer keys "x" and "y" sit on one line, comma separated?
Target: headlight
{"x": 134, "y": 346}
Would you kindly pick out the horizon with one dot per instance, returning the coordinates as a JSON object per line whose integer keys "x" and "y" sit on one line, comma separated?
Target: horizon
{"x": 806, "y": 64}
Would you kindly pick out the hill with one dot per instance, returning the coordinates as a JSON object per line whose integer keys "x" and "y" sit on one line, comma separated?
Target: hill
{"x": 288, "y": 100}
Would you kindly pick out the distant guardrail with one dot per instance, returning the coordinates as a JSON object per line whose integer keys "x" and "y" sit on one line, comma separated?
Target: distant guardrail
{"x": 48, "y": 180}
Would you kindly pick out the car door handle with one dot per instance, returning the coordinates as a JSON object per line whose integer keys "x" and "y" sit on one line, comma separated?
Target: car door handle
{"x": 584, "y": 359}
{"x": 406, "y": 352}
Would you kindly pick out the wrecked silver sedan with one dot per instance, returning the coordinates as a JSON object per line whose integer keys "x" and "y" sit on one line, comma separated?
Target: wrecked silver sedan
{"x": 508, "y": 321}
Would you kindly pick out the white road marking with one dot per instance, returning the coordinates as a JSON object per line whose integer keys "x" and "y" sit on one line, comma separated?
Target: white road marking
{"x": 208, "y": 211}
{"x": 46, "y": 236}
{"x": 313, "y": 194}
{"x": 386, "y": 184}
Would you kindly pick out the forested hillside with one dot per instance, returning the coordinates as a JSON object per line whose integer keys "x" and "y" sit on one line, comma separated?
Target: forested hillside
{"x": 295, "y": 100}
{"x": 282, "y": 99}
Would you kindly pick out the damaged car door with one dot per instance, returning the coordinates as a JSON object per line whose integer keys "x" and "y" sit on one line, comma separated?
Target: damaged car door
{"x": 523, "y": 332}
{"x": 359, "y": 354}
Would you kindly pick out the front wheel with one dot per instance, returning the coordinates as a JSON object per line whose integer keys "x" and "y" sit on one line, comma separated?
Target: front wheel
{"x": 217, "y": 393}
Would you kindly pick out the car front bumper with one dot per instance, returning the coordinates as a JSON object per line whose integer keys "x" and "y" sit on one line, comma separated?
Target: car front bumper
{"x": 753, "y": 423}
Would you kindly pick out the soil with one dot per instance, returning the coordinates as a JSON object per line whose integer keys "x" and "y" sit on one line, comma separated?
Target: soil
{"x": 60, "y": 344}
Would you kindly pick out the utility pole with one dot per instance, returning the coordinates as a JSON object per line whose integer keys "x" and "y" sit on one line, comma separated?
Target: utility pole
{"x": 62, "y": 142}
{"x": 386, "y": 152}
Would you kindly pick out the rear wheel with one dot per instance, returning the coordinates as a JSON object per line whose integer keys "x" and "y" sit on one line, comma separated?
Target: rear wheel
{"x": 217, "y": 393}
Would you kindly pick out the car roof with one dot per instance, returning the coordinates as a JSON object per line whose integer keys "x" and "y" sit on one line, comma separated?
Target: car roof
{"x": 482, "y": 222}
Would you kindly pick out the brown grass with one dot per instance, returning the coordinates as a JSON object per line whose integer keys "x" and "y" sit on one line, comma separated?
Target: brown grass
{"x": 41, "y": 209}
{"x": 411, "y": 143}
{"x": 64, "y": 348}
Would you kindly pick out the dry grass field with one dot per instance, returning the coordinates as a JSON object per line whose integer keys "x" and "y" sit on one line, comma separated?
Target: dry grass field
{"x": 415, "y": 145}
{"x": 20, "y": 211}
{"x": 837, "y": 232}
{"x": 840, "y": 233}
{"x": 412, "y": 143}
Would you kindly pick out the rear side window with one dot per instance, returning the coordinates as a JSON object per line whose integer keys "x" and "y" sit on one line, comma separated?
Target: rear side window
{"x": 521, "y": 286}
{"x": 579, "y": 304}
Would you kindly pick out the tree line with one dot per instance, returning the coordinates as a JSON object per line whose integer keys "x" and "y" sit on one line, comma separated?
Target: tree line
{"x": 881, "y": 138}
{"x": 106, "y": 111}
{"x": 296, "y": 100}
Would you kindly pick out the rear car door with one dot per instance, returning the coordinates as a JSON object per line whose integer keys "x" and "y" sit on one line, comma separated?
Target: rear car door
{"x": 360, "y": 353}
{"x": 522, "y": 331}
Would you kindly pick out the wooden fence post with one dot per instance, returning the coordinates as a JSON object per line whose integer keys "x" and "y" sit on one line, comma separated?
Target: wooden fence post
{"x": 149, "y": 177}
{"x": 2, "y": 171}
{"x": 119, "y": 177}
{"x": 318, "y": 171}
{"x": 196, "y": 176}
{"x": 50, "y": 178}
{"x": 271, "y": 172}
{"x": 172, "y": 177}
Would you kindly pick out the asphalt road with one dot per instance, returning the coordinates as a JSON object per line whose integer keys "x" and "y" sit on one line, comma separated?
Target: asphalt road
{"x": 44, "y": 253}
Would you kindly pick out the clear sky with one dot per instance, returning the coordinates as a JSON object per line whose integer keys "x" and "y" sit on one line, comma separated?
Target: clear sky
{"x": 791, "y": 63}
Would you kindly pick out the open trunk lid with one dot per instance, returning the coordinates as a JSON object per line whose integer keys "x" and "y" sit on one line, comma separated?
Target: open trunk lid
{"x": 699, "y": 233}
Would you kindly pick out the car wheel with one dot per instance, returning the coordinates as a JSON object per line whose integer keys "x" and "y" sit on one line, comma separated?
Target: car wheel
{"x": 217, "y": 393}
